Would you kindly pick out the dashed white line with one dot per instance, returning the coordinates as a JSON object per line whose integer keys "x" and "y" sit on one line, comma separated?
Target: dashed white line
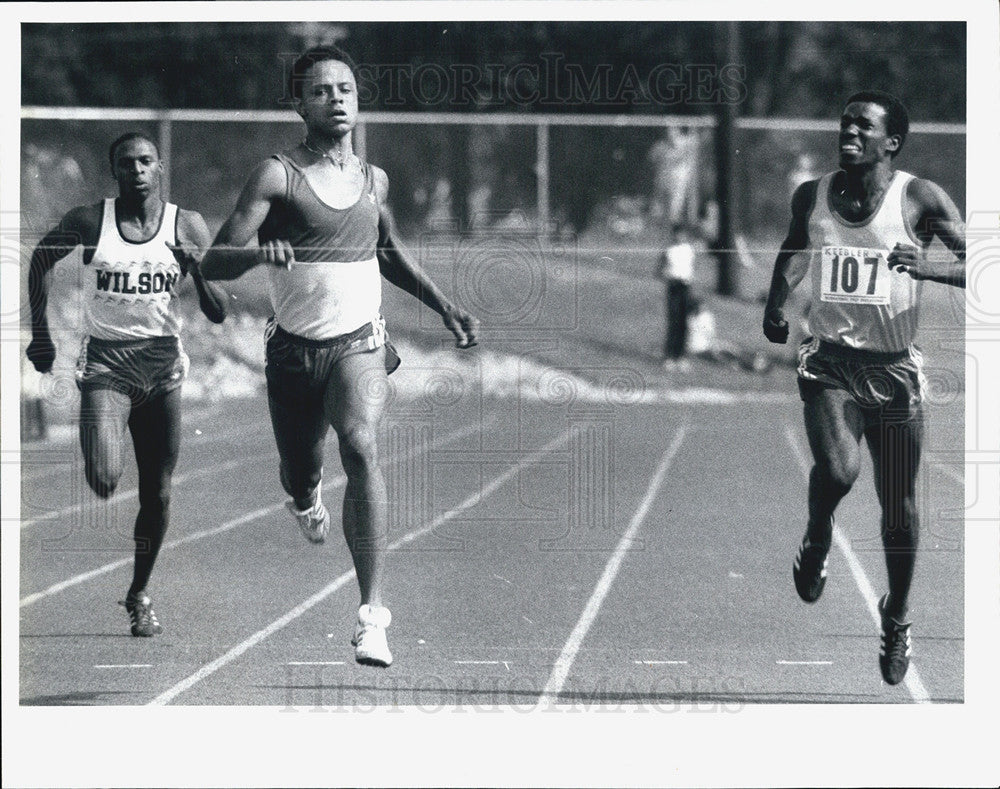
{"x": 210, "y": 668}
{"x": 503, "y": 663}
{"x": 804, "y": 662}
{"x": 124, "y": 665}
{"x": 912, "y": 681}
{"x": 563, "y": 664}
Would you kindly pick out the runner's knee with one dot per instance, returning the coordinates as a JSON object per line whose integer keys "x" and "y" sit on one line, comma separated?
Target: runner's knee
{"x": 102, "y": 476}
{"x": 358, "y": 449}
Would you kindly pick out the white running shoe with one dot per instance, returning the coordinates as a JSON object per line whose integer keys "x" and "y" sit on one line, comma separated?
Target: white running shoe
{"x": 314, "y": 522}
{"x": 369, "y": 641}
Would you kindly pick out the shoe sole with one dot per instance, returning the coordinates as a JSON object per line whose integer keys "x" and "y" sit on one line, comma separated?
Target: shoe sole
{"x": 372, "y": 662}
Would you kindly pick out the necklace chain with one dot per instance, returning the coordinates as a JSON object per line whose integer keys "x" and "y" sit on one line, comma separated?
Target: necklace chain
{"x": 326, "y": 155}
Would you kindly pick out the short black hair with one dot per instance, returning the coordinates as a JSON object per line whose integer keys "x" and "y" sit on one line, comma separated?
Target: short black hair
{"x": 310, "y": 58}
{"x": 125, "y": 138}
{"x": 897, "y": 119}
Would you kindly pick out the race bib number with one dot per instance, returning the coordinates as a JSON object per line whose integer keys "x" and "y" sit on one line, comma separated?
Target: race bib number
{"x": 855, "y": 275}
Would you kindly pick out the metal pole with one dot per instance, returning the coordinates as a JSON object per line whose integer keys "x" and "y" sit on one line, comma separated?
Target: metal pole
{"x": 725, "y": 161}
{"x": 542, "y": 174}
{"x": 164, "y": 134}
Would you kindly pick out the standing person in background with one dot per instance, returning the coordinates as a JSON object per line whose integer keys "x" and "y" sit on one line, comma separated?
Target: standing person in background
{"x": 866, "y": 227}
{"x": 676, "y": 269}
{"x": 319, "y": 215}
{"x": 137, "y": 249}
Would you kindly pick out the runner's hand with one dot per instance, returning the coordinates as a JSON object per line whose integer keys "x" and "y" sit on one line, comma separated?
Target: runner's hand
{"x": 42, "y": 353}
{"x": 277, "y": 253}
{"x": 906, "y": 259}
{"x": 463, "y": 325}
{"x": 776, "y": 327}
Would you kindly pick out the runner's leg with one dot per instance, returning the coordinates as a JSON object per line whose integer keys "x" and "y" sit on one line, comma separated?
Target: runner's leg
{"x": 355, "y": 401}
{"x": 300, "y": 428}
{"x": 895, "y": 446}
{"x": 103, "y": 417}
{"x": 834, "y": 425}
{"x": 156, "y": 434}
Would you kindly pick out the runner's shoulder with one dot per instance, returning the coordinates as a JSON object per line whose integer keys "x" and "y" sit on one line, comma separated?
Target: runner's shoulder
{"x": 381, "y": 182}
{"x": 804, "y": 197}
{"x": 269, "y": 178}
{"x": 84, "y": 221}
{"x": 925, "y": 195}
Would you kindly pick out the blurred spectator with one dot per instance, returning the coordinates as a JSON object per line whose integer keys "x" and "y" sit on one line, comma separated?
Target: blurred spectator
{"x": 676, "y": 269}
{"x": 675, "y": 158}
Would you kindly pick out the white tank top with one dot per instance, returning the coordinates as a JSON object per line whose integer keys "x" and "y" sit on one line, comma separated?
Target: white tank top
{"x": 856, "y": 300}
{"x": 129, "y": 286}
{"x": 323, "y": 299}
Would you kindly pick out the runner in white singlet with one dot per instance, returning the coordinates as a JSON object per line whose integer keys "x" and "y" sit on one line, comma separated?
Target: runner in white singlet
{"x": 318, "y": 212}
{"x": 863, "y": 232}
{"x": 136, "y": 250}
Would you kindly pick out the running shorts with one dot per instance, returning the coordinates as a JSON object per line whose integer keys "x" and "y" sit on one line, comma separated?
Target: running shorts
{"x": 142, "y": 368}
{"x": 876, "y": 381}
{"x": 299, "y": 368}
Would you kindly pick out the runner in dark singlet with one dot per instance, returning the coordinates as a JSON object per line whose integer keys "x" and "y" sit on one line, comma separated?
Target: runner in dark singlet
{"x": 318, "y": 212}
{"x": 136, "y": 250}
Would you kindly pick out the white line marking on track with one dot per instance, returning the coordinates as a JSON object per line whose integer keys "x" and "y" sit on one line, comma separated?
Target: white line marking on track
{"x": 124, "y": 665}
{"x": 660, "y": 662}
{"x": 804, "y": 662}
{"x": 332, "y": 484}
{"x": 560, "y": 671}
{"x": 913, "y": 682}
{"x": 315, "y": 663}
{"x": 210, "y": 668}
{"x": 501, "y": 578}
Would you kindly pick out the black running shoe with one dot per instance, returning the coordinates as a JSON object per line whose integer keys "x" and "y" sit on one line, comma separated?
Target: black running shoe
{"x": 141, "y": 615}
{"x": 809, "y": 570}
{"x": 894, "y": 654}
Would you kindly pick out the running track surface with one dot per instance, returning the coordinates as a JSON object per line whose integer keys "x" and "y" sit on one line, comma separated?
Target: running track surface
{"x": 581, "y": 553}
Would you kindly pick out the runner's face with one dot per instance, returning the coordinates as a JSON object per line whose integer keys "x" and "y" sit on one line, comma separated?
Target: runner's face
{"x": 329, "y": 103}
{"x": 137, "y": 168}
{"x": 864, "y": 139}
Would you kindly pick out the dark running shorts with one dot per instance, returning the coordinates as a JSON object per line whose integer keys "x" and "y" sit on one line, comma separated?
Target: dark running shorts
{"x": 298, "y": 368}
{"x": 141, "y": 369}
{"x": 878, "y": 382}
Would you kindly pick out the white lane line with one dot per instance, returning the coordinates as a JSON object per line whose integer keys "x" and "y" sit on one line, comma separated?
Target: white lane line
{"x": 124, "y": 665}
{"x": 210, "y": 668}
{"x": 332, "y": 484}
{"x": 560, "y": 671}
{"x": 315, "y": 663}
{"x": 918, "y": 692}
{"x": 660, "y": 662}
{"x": 131, "y": 493}
{"x": 804, "y": 662}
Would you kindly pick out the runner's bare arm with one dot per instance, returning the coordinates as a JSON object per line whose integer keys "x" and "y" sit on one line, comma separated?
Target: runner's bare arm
{"x": 402, "y": 272}
{"x": 193, "y": 238}
{"x": 789, "y": 267}
{"x": 80, "y": 227}
{"x": 931, "y": 213}
{"x": 229, "y": 256}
